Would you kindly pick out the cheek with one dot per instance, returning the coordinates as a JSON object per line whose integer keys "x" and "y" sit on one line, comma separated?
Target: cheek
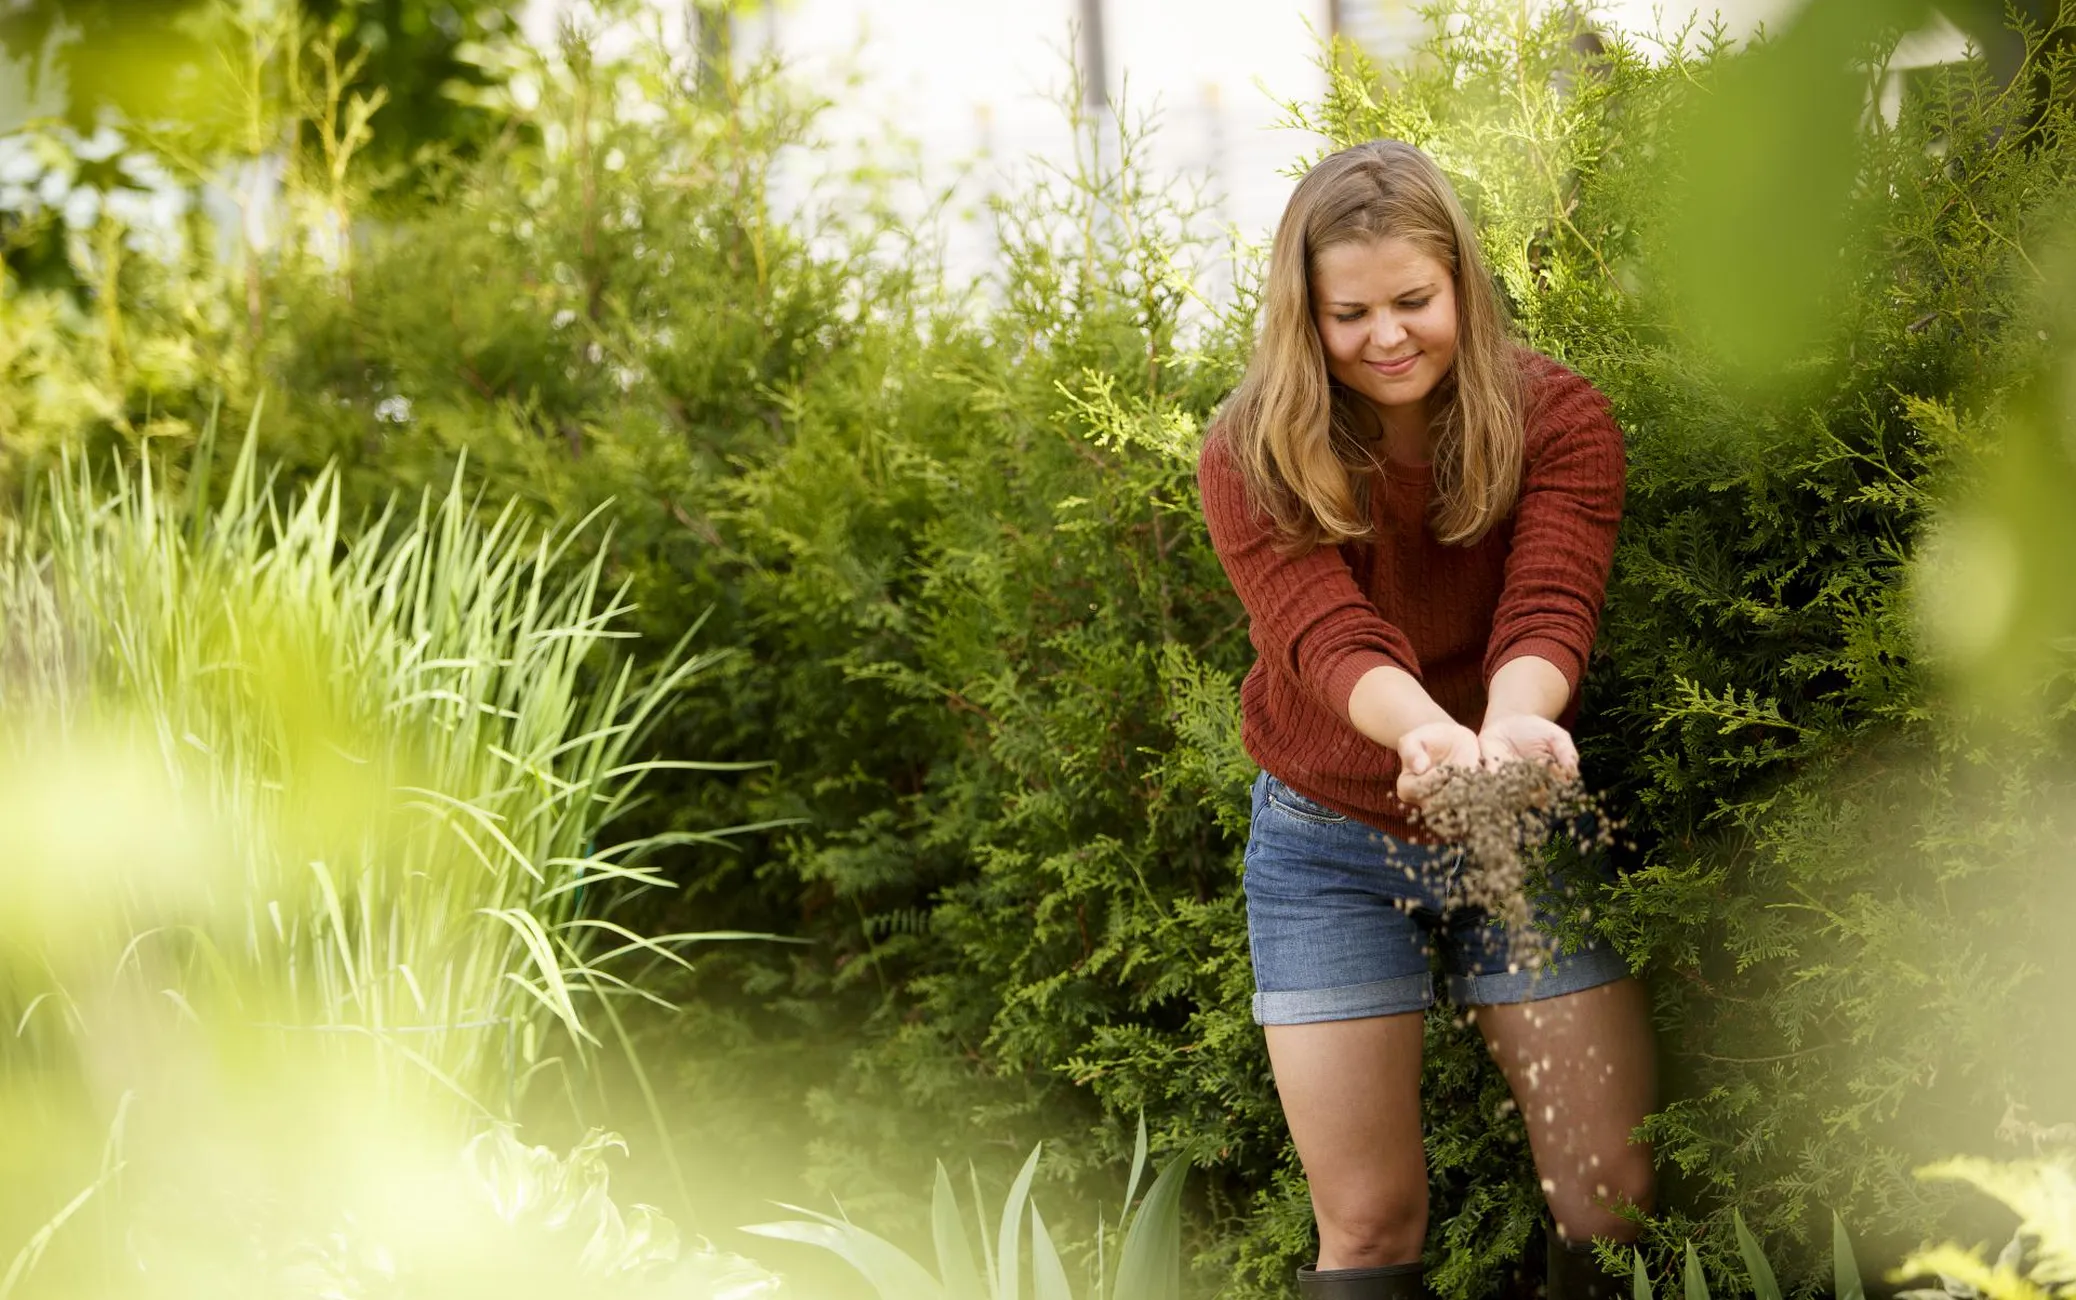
{"x": 1338, "y": 341}
{"x": 1438, "y": 330}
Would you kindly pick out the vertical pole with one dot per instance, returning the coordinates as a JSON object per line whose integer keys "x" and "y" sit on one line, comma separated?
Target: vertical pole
{"x": 712, "y": 21}
{"x": 1333, "y": 17}
{"x": 1095, "y": 60}
{"x": 990, "y": 212}
{"x": 1217, "y": 276}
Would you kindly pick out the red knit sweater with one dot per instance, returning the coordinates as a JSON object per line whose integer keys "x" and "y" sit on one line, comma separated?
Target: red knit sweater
{"x": 1449, "y": 615}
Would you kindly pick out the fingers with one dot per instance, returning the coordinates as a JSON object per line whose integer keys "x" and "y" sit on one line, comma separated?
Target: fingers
{"x": 1558, "y": 750}
{"x": 1517, "y": 739}
{"x": 1414, "y": 788}
{"x": 1426, "y": 751}
{"x": 1495, "y": 750}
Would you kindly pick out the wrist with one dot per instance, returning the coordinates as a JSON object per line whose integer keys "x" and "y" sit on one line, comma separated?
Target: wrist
{"x": 1528, "y": 686}
{"x": 1431, "y": 716}
{"x": 1389, "y": 703}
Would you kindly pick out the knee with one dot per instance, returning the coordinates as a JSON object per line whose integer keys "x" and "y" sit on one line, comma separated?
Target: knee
{"x": 1589, "y": 1201}
{"x": 1373, "y": 1228}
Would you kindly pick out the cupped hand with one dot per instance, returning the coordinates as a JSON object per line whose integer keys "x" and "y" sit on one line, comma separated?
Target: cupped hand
{"x": 1427, "y": 749}
{"x": 1518, "y": 736}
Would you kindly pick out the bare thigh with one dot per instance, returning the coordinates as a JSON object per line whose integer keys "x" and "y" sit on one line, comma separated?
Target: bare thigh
{"x": 1582, "y": 1070}
{"x": 1351, "y": 1095}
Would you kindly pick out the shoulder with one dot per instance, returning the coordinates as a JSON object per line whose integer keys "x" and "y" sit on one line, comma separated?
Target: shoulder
{"x": 1233, "y": 503}
{"x": 1218, "y": 460}
{"x": 1559, "y": 406}
{"x": 1220, "y": 484}
{"x": 1554, "y": 393}
{"x": 1214, "y": 457}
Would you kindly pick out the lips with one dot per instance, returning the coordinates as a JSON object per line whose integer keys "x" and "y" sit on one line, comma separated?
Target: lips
{"x": 1395, "y": 368}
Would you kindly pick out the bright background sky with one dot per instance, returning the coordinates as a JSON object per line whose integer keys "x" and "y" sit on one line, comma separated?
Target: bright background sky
{"x": 974, "y": 84}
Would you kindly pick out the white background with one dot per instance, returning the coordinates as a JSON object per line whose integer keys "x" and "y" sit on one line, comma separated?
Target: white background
{"x": 974, "y": 85}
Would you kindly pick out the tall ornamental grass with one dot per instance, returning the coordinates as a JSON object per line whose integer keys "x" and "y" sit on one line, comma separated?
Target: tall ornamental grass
{"x": 307, "y": 844}
{"x": 401, "y": 747}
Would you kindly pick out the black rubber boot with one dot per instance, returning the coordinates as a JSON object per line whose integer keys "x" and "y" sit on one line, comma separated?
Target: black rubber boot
{"x": 1575, "y": 1274}
{"x": 1391, "y": 1282}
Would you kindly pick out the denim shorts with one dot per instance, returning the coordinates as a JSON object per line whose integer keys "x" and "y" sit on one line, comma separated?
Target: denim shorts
{"x": 1342, "y": 919}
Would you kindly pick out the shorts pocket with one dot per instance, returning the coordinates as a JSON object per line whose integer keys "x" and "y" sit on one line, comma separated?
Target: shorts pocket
{"x": 1286, "y": 800}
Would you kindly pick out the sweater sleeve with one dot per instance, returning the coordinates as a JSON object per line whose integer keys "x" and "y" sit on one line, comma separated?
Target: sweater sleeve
{"x": 1306, "y": 615}
{"x": 1563, "y": 541}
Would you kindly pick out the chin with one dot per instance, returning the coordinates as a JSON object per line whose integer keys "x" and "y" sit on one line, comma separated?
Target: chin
{"x": 1403, "y": 392}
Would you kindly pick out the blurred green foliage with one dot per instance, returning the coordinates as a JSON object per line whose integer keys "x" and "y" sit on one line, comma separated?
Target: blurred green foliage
{"x": 993, "y": 663}
{"x": 1765, "y": 164}
{"x": 2039, "y": 1261}
{"x": 148, "y": 60}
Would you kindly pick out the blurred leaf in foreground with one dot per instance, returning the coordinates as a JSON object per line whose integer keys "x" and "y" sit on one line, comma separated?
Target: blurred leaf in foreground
{"x": 1767, "y": 161}
{"x": 1996, "y": 603}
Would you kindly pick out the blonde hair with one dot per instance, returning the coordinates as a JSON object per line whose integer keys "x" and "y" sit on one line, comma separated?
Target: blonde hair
{"x": 1296, "y": 434}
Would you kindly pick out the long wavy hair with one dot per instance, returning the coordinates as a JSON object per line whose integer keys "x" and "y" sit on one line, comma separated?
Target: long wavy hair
{"x": 1304, "y": 444}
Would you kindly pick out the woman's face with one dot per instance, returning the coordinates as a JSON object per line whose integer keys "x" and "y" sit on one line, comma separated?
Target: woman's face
{"x": 1386, "y": 314}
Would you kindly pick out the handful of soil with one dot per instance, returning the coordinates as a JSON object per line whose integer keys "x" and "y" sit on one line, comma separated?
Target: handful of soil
{"x": 1501, "y": 817}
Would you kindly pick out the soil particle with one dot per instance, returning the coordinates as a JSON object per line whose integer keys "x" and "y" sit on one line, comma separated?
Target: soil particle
{"x": 1502, "y": 818}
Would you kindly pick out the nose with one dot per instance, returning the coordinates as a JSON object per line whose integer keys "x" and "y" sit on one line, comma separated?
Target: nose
{"x": 1387, "y": 333}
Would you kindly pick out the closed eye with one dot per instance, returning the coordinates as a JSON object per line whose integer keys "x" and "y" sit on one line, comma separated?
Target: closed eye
{"x": 1414, "y": 304}
{"x": 1349, "y": 317}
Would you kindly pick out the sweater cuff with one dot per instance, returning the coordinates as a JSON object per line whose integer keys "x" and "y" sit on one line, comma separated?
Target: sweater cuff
{"x": 1339, "y": 686}
{"x": 1557, "y": 652}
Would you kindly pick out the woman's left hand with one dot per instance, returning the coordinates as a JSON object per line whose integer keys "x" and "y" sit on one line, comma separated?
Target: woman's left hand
{"x": 1516, "y": 736}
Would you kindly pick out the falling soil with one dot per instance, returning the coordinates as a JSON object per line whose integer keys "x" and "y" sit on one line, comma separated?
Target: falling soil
{"x": 1501, "y": 818}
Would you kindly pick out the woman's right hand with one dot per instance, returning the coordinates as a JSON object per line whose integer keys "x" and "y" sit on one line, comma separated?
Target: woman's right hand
{"x": 1425, "y": 750}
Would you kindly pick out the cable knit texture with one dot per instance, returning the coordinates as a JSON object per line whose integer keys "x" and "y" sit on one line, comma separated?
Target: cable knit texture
{"x": 1449, "y": 615}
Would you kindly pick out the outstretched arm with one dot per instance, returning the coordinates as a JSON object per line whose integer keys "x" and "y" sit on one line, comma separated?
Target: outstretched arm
{"x": 1556, "y": 574}
{"x": 1391, "y": 707}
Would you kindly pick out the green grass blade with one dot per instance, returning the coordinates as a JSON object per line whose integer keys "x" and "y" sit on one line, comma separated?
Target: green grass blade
{"x": 955, "y": 1266}
{"x": 1008, "y": 1256}
{"x": 890, "y": 1271}
{"x": 1697, "y": 1285}
{"x": 665, "y": 1142}
{"x": 553, "y": 990}
{"x": 980, "y": 1223}
{"x": 31, "y": 1253}
{"x": 1640, "y": 1288}
{"x": 1138, "y": 1171}
{"x": 1845, "y": 1270}
{"x": 1149, "y": 1266}
{"x": 1048, "y": 1275}
{"x": 1764, "y": 1287}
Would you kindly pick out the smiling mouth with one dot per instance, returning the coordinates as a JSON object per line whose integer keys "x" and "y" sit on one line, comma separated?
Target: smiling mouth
{"x": 1396, "y": 366}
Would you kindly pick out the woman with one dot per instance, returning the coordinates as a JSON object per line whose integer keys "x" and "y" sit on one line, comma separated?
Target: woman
{"x": 1418, "y": 515}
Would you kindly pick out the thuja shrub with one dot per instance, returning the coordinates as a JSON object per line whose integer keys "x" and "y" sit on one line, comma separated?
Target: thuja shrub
{"x": 1001, "y": 636}
{"x": 1841, "y": 894}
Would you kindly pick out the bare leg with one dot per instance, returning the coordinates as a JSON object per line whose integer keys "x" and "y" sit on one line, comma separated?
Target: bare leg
{"x": 1583, "y": 1073}
{"x": 1351, "y": 1094}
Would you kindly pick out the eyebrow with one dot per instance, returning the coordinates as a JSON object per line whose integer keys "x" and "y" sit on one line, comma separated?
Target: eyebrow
{"x": 1408, "y": 293}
